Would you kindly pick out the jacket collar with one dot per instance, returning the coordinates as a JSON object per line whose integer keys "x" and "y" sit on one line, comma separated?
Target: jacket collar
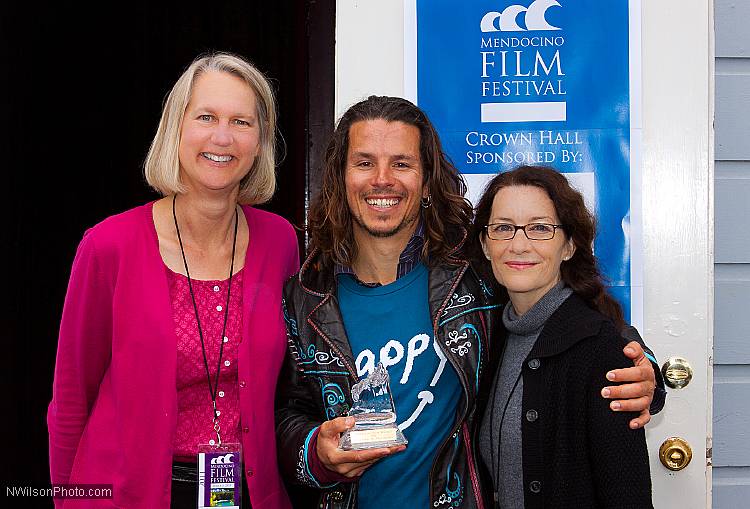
{"x": 317, "y": 279}
{"x": 572, "y": 322}
{"x": 314, "y": 277}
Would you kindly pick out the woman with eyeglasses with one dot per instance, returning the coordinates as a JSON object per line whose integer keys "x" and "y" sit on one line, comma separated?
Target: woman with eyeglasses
{"x": 547, "y": 438}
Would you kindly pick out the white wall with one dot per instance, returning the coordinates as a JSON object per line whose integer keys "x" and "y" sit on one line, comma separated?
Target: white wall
{"x": 369, "y": 50}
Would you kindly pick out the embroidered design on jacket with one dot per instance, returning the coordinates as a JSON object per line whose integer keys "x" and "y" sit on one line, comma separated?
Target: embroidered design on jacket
{"x": 290, "y": 322}
{"x": 334, "y": 401}
{"x": 301, "y": 474}
{"x": 452, "y": 497}
{"x": 312, "y": 356}
{"x": 304, "y": 475}
{"x": 486, "y": 289}
{"x": 292, "y": 333}
{"x": 458, "y": 301}
{"x": 459, "y": 341}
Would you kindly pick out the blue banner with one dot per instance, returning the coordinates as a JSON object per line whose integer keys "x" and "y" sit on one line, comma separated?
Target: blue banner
{"x": 544, "y": 82}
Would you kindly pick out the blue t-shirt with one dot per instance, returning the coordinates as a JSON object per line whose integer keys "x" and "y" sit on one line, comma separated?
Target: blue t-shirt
{"x": 392, "y": 324}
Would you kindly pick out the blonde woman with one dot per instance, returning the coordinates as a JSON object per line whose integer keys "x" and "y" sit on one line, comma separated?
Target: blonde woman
{"x": 172, "y": 332}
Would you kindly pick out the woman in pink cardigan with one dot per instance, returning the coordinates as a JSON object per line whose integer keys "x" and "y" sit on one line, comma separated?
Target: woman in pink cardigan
{"x": 172, "y": 332}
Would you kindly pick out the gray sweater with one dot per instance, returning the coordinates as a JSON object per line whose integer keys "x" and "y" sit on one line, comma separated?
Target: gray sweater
{"x": 500, "y": 431}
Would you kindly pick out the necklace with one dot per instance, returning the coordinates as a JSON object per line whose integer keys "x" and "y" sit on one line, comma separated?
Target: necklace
{"x": 212, "y": 388}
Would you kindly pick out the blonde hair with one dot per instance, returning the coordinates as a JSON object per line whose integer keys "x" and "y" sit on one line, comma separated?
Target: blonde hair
{"x": 162, "y": 166}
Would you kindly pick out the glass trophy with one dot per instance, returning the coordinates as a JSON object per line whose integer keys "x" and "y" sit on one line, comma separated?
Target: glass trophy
{"x": 374, "y": 414}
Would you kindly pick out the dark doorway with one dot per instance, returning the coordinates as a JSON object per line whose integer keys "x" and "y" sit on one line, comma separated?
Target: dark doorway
{"x": 82, "y": 95}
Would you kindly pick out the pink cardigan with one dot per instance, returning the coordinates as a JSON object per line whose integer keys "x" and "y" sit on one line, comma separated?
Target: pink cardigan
{"x": 114, "y": 405}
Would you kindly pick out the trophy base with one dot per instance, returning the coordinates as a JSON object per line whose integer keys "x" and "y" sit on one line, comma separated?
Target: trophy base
{"x": 373, "y": 437}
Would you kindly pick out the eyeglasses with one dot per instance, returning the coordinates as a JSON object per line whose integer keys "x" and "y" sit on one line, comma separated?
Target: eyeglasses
{"x": 533, "y": 231}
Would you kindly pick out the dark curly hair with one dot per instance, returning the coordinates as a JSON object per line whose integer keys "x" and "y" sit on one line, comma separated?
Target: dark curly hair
{"x": 445, "y": 222}
{"x": 581, "y": 272}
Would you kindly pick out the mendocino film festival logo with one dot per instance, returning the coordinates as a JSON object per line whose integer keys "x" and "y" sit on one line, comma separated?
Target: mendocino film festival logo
{"x": 521, "y": 65}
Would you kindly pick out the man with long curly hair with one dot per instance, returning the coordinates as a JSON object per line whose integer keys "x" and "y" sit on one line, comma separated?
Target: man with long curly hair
{"x": 387, "y": 281}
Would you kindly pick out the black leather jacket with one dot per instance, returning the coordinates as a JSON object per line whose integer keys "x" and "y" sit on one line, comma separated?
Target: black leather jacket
{"x": 315, "y": 383}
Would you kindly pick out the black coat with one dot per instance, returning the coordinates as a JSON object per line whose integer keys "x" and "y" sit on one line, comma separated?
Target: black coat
{"x": 577, "y": 453}
{"x": 315, "y": 383}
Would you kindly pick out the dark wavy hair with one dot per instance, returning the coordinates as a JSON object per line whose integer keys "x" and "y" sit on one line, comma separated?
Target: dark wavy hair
{"x": 445, "y": 221}
{"x": 581, "y": 272}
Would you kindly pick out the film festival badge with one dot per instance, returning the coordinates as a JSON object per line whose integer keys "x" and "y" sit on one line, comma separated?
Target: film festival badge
{"x": 374, "y": 414}
{"x": 219, "y": 476}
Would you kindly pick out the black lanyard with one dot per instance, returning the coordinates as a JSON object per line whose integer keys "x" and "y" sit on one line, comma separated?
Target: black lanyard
{"x": 213, "y": 389}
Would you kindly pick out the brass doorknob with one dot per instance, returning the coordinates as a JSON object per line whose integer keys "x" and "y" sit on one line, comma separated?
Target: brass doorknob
{"x": 677, "y": 372}
{"x": 675, "y": 453}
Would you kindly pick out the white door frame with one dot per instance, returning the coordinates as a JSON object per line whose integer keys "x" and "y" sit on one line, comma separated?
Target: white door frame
{"x": 678, "y": 167}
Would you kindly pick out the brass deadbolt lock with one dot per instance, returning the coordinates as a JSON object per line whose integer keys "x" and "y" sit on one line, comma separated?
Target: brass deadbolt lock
{"x": 677, "y": 372}
{"x": 675, "y": 453}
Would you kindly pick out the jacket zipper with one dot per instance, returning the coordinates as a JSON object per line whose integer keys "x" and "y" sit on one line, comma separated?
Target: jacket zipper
{"x": 472, "y": 470}
{"x": 455, "y": 367}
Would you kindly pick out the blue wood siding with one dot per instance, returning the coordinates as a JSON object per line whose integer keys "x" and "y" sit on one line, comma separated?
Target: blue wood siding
{"x": 732, "y": 36}
{"x": 732, "y": 219}
{"x": 732, "y": 316}
{"x": 731, "y": 419}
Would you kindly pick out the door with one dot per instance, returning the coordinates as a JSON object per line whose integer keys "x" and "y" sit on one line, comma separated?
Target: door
{"x": 677, "y": 52}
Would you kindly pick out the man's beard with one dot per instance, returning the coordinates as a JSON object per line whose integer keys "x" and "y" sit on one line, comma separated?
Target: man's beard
{"x": 405, "y": 223}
